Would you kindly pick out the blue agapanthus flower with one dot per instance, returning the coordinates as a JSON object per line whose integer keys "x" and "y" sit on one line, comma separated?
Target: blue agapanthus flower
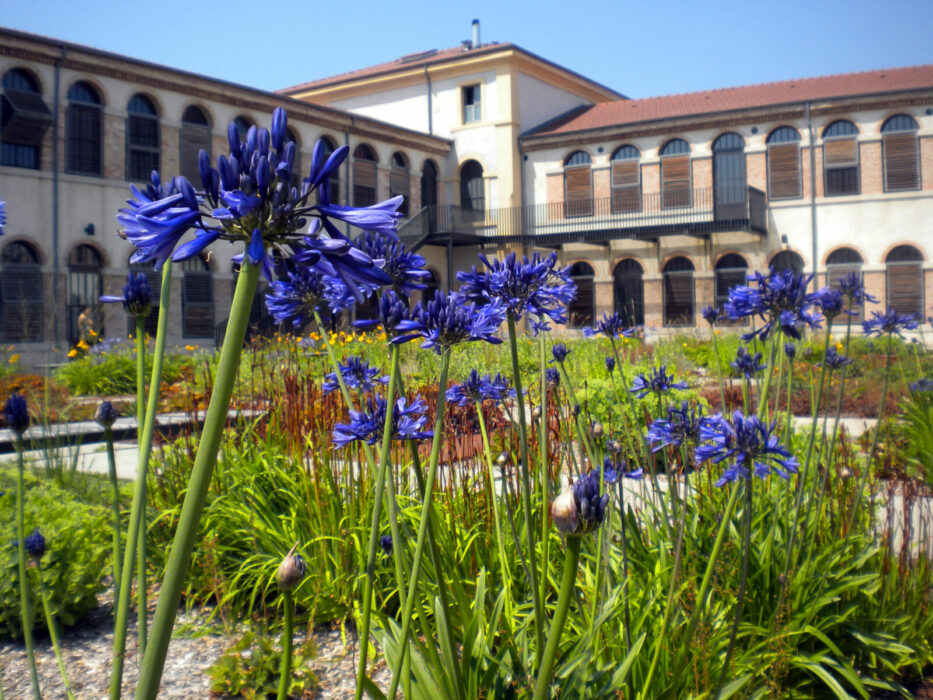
{"x": 385, "y": 543}
{"x": 790, "y": 349}
{"x": 780, "y": 299}
{"x": 249, "y": 198}
{"x": 591, "y": 505}
{"x": 357, "y": 374}
{"x": 831, "y": 302}
{"x": 552, "y": 376}
{"x": 611, "y": 326}
{"x": 712, "y": 314}
{"x": 559, "y": 352}
{"x": 393, "y": 314}
{"x": 301, "y": 291}
{"x": 480, "y": 388}
{"x": 2, "y": 216}
{"x": 408, "y": 422}
{"x": 614, "y": 469}
{"x": 748, "y": 443}
{"x": 888, "y": 323}
{"x": 834, "y": 360}
{"x": 16, "y": 413}
{"x": 532, "y": 286}
{"x": 405, "y": 269}
{"x": 106, "y": 414}
{"x": 853, "y": 287}
{"x": 923, "y": 385}
{"x": 747, "y": 363}
{"x": 682, "y": 426}
{"x": 35, "y": 545}
{"x": 450, "y": 319}
{"x": 610, "y": 363}
{"x": 658, "y": 381}
{"x": 137, "y": 296}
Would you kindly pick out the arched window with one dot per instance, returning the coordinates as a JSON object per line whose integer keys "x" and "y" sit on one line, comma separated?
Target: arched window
{"x": 787, "y": 260}
{"x": 731, "y": 271}
{"x": 730, "y": 186}
{"x": 364, "y": 176}
{"x": 784, "y": 175}
{"x": 333, "y": 182}
{"x": 400, "y": 182}
{"x": 195, "y": 136}
{"x": 626, "y": 180}
{"x": 154, "y": 279}
{"x": 429, "y": 194}
{"x": 679, "y": 305}
{"x": 578, "y": 185}
{"x": 900, "y": 153}
{"x": 142, "y": 138}
{"x": 83, "y": 128}
{"x": 628, "y": 292}
{"x": 840, "y": 263}
{"x": 197, "y": 299}
{"x": 24, "y": 119}
{"x": 675, "y": 174}
{"x": 85, "y": 285}
{"x": 840, "y": 158}
{"x": 472, "y": 190}
{"x": 904, "y": 280}
{"x": 582, "y": 310}
{"x": 21, "y": 301}
{"x": 243, "y": 125}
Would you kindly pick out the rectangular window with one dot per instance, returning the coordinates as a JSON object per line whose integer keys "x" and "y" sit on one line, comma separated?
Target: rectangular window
{"x": 678, "y": 299}
{"x": 784, "y": 171}
{"x": 198, "y": 305}
{"x": 472, "y": 108}
{"x": 626, "y": 186}
{"x": 21, "y": 304}
{"x": 84, "y": 139}
{"x": 193, "y": 138}
{"x": 675, "y": 182}
{"x": 840, "y": 167}
{"x": 400, "y": 184}
{"x": 578, "y": 191}
{"x": 364, "y": 183}
{"x": 901, "y": 160}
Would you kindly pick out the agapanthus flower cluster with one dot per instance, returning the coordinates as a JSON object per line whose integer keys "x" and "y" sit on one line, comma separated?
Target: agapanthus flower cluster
{"x": 552, "y": 376}
{"x": 614, "y": 469}
{"x": 853, "y": 287}
{"x": 106, "y": 415}
{"x": 658, "y": 381}
{"x": 790, "y": 349}
{"x": 408, "y": 422}
{"x": 889, "y": 323}
{"x": 137, "y": 296}
{"x": 748, "y": 443}
{"x": 747, "y": 363}
{"x": 301, "y": 291}
{"x": 611, "y": 326}
{"x": 834, "y": 360}
{"x": 480, "y": 388}
{"x": 357, "y": 374}
{"x": 528, "y": 286}
{"x": 249, "y": 198}
{"x": 35, "y": 545}
{"x": 712, "y": 315}
{"x": 385, "y": 543}
{"x": 780, "y": 299}
{"x": 450, "y": 319}
{"x": 405, "y": 269}
{"x": 16, "y": 413}
{"x": 391, "y": 311}
{"x": 559, "y": 352}
{"x": 2, "y": 216}
{"x": 831, "y": 302}
{"x": 682, "y": 426}
{"x": 590, "y": 503}
{"x": 610, "y": 363}
{"x": 921, "y": 385}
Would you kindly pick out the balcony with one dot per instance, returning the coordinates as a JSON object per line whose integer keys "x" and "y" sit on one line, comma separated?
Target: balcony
{"x": 699, "y": 212}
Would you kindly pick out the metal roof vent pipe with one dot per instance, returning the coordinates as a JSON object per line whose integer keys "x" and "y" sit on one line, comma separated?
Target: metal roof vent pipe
{"x": 475, "y": 44}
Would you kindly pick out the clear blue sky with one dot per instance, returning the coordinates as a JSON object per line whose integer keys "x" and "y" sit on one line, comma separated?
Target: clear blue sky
{"x": 638, "y": 48}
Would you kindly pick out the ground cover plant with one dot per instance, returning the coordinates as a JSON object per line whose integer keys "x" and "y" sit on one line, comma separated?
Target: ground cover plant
{"x": 497, "y": 511}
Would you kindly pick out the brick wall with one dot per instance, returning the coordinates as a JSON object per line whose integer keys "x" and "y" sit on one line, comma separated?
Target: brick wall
{"x": 555, "y": 195}
{"x": 601, "y": 183}
{"x": 870, "y": 168}
{"x": 702, "y": 172}
{"x": 926, "y": 163}
{"x": 756, "y": 169}
{"x": 653, "y": 302}
{"x": 651, "y": 178}
{"x": 169, "y": 156}
{"x": 114, "y": 146}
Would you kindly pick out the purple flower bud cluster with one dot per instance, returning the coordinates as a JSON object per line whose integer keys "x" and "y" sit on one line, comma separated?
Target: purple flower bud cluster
{"x": 748, "y": 443}
{"x": 450, "y": 319}
{"x": 658, "y": 381}
{"x": 137, "y": 296}
{"x": 16, "y": 413}
{"x": 780, "y": 299}
{"x": 294, "y": 297}
{"x": 476, "y": 388}
{"x": 746, "y": 363}
{"x": 834, "y": 360}
{"x": 357, "y": 374}
{"x": 559, "y": 352}
{"x": 682, "y": 426}
{"x": 610, "y": 326}
{"x": 408, "y": 421}
{"x": 889, "y": 323}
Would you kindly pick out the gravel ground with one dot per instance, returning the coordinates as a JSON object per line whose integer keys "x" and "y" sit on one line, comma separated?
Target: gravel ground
{"x": 87, "y": 649}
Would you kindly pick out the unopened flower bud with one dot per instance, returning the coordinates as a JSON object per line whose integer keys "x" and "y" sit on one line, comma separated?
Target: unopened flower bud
{"x": 35, "y": 545}
{"x": 291, "y": 570}
{"x": 106, "y": 415}
{"x": 597, "y": 429}
{"x": 502, "y": 460}
{"x": 386, "y": 543}
{"x": 613, "y": 446}
{"x": 564, "y": 511}
{"x": 576, "y": 410}
{"x": 16, "y": 413}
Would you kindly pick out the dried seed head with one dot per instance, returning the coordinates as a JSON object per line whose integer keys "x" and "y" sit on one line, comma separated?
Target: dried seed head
{"x": 564, "y": 511}
{"x": 291, "y": 570}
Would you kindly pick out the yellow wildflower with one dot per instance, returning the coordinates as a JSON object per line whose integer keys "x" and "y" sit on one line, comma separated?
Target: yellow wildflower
{"x": 839, "y": 346}
{"x": 14, "y": 359}
{"x": 82, "y": 345}
{"x": 191, "y": 348}
{"x": 72, "y": 353}
{"x": 91, "y": 332}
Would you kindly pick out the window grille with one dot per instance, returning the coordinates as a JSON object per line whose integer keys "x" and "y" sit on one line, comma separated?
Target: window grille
{"x": 900, "y": 154}
{"x": 83, "y": 129}
{"x": 142, "y": 139}
{"x": 626, "y": 180}
{"x": 679, "y": 306}
{"x": 21, "y": 299}
{"x": 675, "y": 174}
{"x": 578, "y": 185}
{"x": 784, "y": 174}
{"x": 195, "y": 136}
{"x": 197, "y": 299}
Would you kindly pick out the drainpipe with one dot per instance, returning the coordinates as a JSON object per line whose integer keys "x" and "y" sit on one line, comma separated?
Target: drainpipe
{"x": 346, "y": 141}
{"x": 521, "y": 197}
{"x": 427, "y": 77}
{"x": 55, "y": 167}
{"x": 813, "y": 229}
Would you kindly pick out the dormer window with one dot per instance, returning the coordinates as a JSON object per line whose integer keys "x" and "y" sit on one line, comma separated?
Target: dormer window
{"x": 472, "y": 107}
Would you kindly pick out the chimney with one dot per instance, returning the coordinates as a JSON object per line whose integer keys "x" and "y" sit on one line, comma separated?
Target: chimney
{"x": 475, "y": 44}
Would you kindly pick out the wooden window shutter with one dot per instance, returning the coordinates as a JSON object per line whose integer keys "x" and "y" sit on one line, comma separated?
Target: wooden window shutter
{"x": 905, "y": 288}
{"x": 840, "y": 153}
{"x": 578, "y": 191}
{"x": 364, "y": 183}
{"x": 678, "y": 299}
{"x": 193, "y": 138}
{"x": 626, "y": 186}
{"x": 901, "y": 161}
{"x": 400, "y": 183}
{"x": 84, "y": 153}
{"x": 198, "y": 302}
{"x": 675, "y": 182}
{"x": 784, "y": 171}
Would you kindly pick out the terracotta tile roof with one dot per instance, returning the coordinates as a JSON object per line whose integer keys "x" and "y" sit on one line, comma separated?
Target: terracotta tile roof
{"x": 608, "y": 114}
{"x": 415, "y": 60}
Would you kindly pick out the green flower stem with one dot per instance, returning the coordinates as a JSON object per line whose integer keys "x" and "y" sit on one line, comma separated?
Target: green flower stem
{"x": 285, "y": 669}
{"x": 53, "y": 633}
{"x": 25, "y": 606}
{"x": 874, "y": 442}
{"x": 422, "y": 531}
{"x": 544, "y": 466}
{"x": 567, "y": 584}
{"x": 138, "y": 509}
{"x": 141, "y": 597}
{"x": 500, "y": 541}
{"x": 180, "y": 556}
{"x": 625, "y": 603}
{"x": 526, "y": 490}
{"x": 722, "y": 386}
{"x": 746, "y": 548}
{"x": 115, "y": 505}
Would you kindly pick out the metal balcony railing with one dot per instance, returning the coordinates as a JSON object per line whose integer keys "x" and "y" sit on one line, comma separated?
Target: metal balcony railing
{"x": 627, "y": 214}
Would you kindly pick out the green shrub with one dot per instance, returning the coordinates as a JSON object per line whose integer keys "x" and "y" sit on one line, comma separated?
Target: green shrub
{"x": 77, "y": 539}
{"x": 250, "y": 669}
